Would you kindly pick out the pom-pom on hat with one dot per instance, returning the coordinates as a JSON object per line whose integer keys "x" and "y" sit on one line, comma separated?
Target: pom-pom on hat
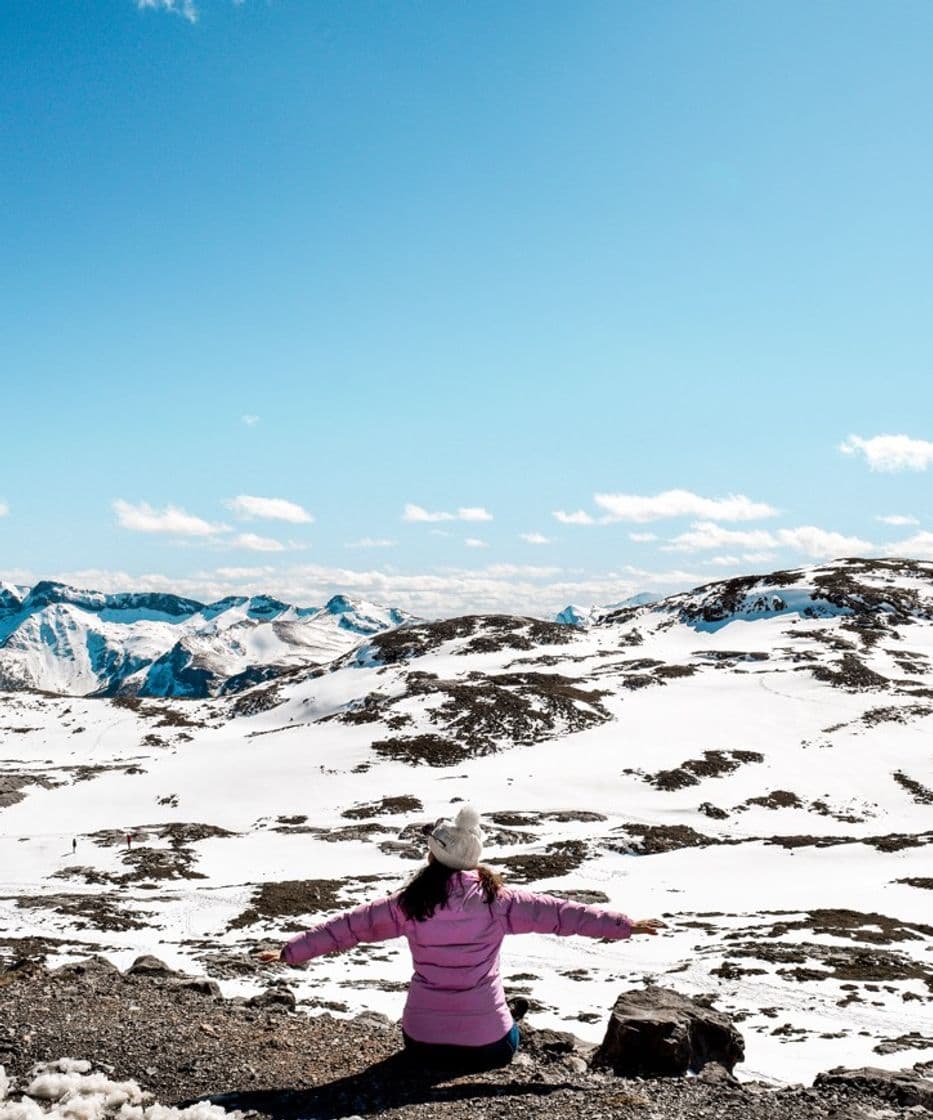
{"x": 458, "y": 843}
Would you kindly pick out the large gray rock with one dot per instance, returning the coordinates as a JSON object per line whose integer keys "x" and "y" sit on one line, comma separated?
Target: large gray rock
{"x": 656, "y": 1032}
{"x": 899, "y": 1086}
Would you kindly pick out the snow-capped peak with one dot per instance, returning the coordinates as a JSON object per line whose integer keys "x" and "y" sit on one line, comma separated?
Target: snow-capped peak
{"x": 573, "y": 615}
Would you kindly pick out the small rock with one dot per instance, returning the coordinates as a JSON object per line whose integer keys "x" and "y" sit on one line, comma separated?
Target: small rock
{"x": 715, "y": 1073}
{"x": 550, "y": 1042}
{"x": 201, "y": 985}
{"x": 373, "y": 1019}
{"x": 280, "y": 998}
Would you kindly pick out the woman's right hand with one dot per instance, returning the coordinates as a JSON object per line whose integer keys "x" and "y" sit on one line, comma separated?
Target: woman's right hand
{"x": 648, "y": 925}
{"x": 268, "y": 955}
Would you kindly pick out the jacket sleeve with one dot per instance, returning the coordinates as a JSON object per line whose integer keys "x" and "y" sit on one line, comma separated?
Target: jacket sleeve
{"x": 374, "y": 921}
{"x": 525, "y": 912}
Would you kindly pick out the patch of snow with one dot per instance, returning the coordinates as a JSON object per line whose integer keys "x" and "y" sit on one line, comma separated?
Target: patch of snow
{"x": 66, "y": 1089}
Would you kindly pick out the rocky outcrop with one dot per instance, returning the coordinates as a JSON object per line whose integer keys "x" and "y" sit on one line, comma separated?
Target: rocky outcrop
{"x": 656, "y": 1032}
{"x": 901, "y": 1086}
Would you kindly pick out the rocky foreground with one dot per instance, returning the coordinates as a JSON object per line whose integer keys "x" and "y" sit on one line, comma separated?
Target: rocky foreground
{"x": 181, "y": 1040}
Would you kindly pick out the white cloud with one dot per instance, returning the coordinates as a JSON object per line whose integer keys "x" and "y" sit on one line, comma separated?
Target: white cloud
{"x": 642, "y": 538}
{"x": 822, "y": 544}
{"x": 741, "y": 560}
{"x": 897, "y": 519}
{"x": 808, "y": 539}
{"x": 418, "y": 513}
{"x": 891, "y": 453}
{"x": 534, "y": 538}
{"x": 229, "y": 572}
{"x": 475, "y": 542}
{"x": 186, "y": 8}
{"x": 4, "y": 509}
{"x": 440, "y": 533}
{"x": 246, "y": 507}
{"x": 142, "y": 518}
{"x": 250, "y": 419}
{"x": 581, "y": 517}
{"x": 371, "y": 542}
{"x": 706, "y": 534}
{"x": 255, "y": 543}
{"x": 652, "y": 581}
{"x": 681, "y": 503}
{"x": 534, "y": 571}
{"x": 413, "y": 512}
{"x": 917, "y": 547}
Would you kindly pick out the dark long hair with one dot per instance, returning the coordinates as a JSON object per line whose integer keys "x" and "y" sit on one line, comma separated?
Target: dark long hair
{"x": 430, "y": 887}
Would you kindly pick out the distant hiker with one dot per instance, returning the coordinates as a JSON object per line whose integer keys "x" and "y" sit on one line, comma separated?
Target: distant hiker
{"x": 129, "y": 837}
{"x": 74, "y": 845}
{"x": 455, "y": 914}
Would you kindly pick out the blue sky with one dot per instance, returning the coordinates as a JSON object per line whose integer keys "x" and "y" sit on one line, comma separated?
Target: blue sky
{"x": 275, "y": 272}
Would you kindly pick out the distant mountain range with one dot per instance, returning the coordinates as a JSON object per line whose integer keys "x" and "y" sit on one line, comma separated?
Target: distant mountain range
{"x": 68, "y": 641}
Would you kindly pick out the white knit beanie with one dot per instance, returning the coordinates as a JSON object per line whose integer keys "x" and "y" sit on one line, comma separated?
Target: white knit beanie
{"x": 458, "y": 843}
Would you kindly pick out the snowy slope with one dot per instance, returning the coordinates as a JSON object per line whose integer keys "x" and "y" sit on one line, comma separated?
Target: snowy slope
{"x": 73, "y": 642}
{"x": 751, "y": 760}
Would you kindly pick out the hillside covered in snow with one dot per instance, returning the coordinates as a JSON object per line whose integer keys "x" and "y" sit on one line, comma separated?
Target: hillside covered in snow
{"x": 750, "y": 760}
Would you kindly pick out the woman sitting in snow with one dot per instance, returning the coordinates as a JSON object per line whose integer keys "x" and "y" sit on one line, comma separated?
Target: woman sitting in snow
{"x": 455, "y": 914}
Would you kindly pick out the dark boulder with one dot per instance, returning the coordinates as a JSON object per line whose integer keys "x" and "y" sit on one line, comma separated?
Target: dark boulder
{"x": 902, "y": 1087}
{"x": 147, "y": 965}
{"x": 275, "y": 998}
{"x": 655, "y": 1032}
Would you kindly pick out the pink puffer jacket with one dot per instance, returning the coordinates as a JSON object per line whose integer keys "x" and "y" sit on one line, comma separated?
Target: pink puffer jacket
{"x": 455, "y": 995}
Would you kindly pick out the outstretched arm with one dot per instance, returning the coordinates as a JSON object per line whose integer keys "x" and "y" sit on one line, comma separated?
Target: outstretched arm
{"x": 525, "y": 912}
{"x": 374, "y": 921}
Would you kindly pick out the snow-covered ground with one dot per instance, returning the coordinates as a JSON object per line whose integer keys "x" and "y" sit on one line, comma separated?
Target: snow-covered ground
{"x": 753, "y": 763}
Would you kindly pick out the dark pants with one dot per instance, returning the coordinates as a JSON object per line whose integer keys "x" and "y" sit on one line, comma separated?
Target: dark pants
{"x": 468, "y": 1059}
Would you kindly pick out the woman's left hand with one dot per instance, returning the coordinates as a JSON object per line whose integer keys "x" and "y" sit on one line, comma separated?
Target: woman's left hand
{"x": 268, "y": 955}
{"x": 648, "y": 925}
